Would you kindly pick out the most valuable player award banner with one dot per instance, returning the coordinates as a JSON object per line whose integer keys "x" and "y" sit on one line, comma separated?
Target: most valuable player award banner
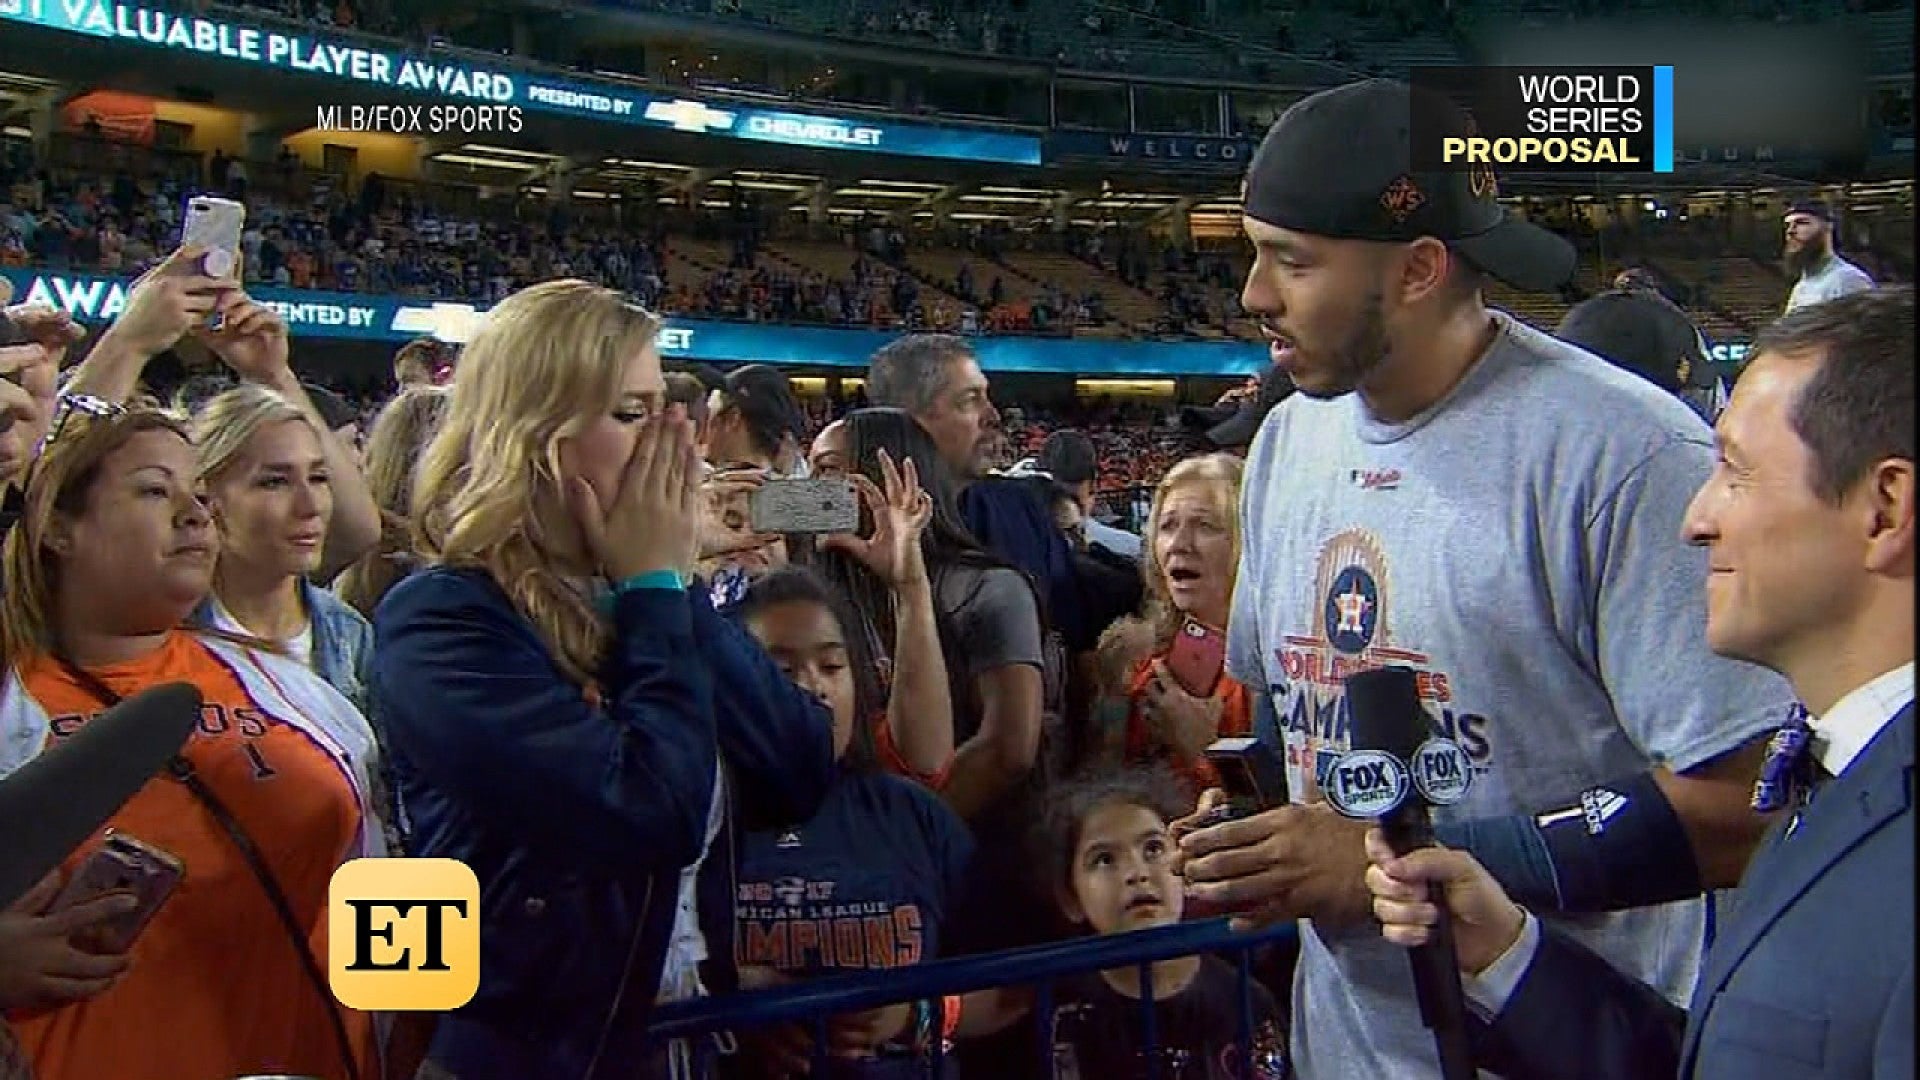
{"x": 1531, "y": 119}
{"x": 350, "y": 59}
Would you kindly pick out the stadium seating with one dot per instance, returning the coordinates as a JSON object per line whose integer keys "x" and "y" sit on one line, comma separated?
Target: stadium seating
{"x": 441, "y": 242}
{"x": 1730, "y": 296}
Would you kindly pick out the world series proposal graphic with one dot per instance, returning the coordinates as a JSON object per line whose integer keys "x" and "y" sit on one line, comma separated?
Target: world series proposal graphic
{"x": 1527, "y": 119}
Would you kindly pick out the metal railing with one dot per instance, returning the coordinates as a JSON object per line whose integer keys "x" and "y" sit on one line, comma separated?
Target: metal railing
{"x": 816, "y": 1001}
{"x": 1126, "y": 507}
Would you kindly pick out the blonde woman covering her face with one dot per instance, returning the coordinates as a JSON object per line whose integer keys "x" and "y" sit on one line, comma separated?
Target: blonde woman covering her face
{"x": 567, "y": 716}
{"x": 114, "y": 550}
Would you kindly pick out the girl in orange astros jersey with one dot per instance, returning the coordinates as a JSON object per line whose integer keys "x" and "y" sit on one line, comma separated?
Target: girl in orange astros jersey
{"x": 114, "y": 550}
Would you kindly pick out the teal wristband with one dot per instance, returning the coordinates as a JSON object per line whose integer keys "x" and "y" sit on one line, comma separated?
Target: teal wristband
{"x": 652, "y": 579}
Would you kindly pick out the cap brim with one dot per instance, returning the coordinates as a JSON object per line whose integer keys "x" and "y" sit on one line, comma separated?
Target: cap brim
{"x": 1199, "y": 418}
{"x": 709, "y": 376}
{"x": 1240, "y": 429}
{"x": 1522, "y": 254}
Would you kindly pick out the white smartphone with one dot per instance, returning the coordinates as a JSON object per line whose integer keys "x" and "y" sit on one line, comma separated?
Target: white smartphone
{"x": 806, "y": 506}
{"x": 214, "y": 225}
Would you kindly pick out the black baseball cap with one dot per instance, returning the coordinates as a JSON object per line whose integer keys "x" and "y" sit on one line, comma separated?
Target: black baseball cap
{"x": 765, "y": 398}
{"x": 1069, "y": 457}
{"x": 1641, "y": 333}
{"x": 1229, "y": 427}
{"x": 1813, "y": 208}
{"x": 333, "y": 409}
{"x": 1339, "y": 164}
{"x": 709, "y": 376}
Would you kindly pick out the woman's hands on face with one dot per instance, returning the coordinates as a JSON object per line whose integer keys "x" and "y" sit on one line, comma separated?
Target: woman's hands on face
{"x": 652, "y": 522}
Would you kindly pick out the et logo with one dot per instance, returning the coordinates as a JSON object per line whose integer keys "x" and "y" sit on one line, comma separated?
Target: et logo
{"x": 403, "y": 935}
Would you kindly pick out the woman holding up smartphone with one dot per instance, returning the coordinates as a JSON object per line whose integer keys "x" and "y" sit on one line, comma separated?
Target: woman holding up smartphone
{"x": 1165, "y": 671}
{"x": 267, "y": 798}
{"x": 985, "y": 612}
{"x": 566, "y": 714}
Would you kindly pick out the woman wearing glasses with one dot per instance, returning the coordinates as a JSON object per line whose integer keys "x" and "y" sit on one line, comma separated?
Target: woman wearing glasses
{"x": 112, "y": 553}
{"x": 566, "y": 715}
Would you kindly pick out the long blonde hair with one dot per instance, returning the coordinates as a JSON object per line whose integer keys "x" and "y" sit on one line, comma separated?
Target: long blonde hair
{"x": 62, "y": 480}
{"x": 400, "y": 433}
{"x": 224, "y": 425}
{"x": 1219, "y": 476}
{"x": 546, "y": 362}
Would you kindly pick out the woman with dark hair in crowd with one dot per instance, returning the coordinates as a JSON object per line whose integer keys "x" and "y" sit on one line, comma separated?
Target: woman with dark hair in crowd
{"x": 566, "y": 715}
{"x": 270, "y": 491}
{"x": 986, "y": 612}
{"x": 268, "y": 798}
{"x": 400, "y": 434}
{"x": 174, "y": 300}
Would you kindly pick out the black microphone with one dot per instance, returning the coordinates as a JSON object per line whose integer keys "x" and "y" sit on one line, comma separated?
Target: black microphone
{"x": 50, "y": 805}
{"x": 1396, "y": 770}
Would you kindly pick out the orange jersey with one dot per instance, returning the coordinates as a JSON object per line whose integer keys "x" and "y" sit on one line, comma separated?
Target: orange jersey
{"x": 214, "y": 989}
{"x": 1236, "y": 719}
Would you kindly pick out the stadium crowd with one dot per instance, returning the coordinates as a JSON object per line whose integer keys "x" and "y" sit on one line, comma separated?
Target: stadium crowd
{"x": 306, "y": 231}
{"x": 108, "y": 206}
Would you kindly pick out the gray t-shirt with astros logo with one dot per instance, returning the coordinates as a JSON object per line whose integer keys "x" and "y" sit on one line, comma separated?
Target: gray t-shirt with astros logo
{"x": 1518, "y": 545}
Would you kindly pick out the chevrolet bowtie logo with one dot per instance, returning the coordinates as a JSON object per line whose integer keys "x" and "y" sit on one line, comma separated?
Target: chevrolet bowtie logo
{"x": 689, "y": 116}
{"x": 452, "y": 323}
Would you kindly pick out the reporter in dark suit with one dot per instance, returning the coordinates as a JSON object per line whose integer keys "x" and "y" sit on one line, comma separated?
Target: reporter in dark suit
{"x": 1808, "y": 523}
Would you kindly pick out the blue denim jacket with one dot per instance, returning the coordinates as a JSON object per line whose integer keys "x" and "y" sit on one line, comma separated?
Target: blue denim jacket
{"x": 342, "y": 641}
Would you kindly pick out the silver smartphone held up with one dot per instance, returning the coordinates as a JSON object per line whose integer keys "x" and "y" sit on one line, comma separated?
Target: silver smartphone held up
{"x": 806, "y": 506}
{"x": 214, "y": 225}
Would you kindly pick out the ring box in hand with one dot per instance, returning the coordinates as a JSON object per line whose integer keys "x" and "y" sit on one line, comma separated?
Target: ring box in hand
{"x": 1252, "y": 775}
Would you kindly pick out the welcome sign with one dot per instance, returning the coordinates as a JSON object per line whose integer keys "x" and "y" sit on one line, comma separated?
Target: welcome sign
{"x": 349, "y": 60}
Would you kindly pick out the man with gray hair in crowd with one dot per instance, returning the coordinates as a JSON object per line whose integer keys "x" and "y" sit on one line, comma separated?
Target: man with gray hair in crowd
{"x": 937, "y": 380}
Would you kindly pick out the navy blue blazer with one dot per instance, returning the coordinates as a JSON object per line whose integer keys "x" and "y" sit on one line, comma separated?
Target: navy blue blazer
{"x": 1811, "y": 975}
{"x": 578, "y": 817}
